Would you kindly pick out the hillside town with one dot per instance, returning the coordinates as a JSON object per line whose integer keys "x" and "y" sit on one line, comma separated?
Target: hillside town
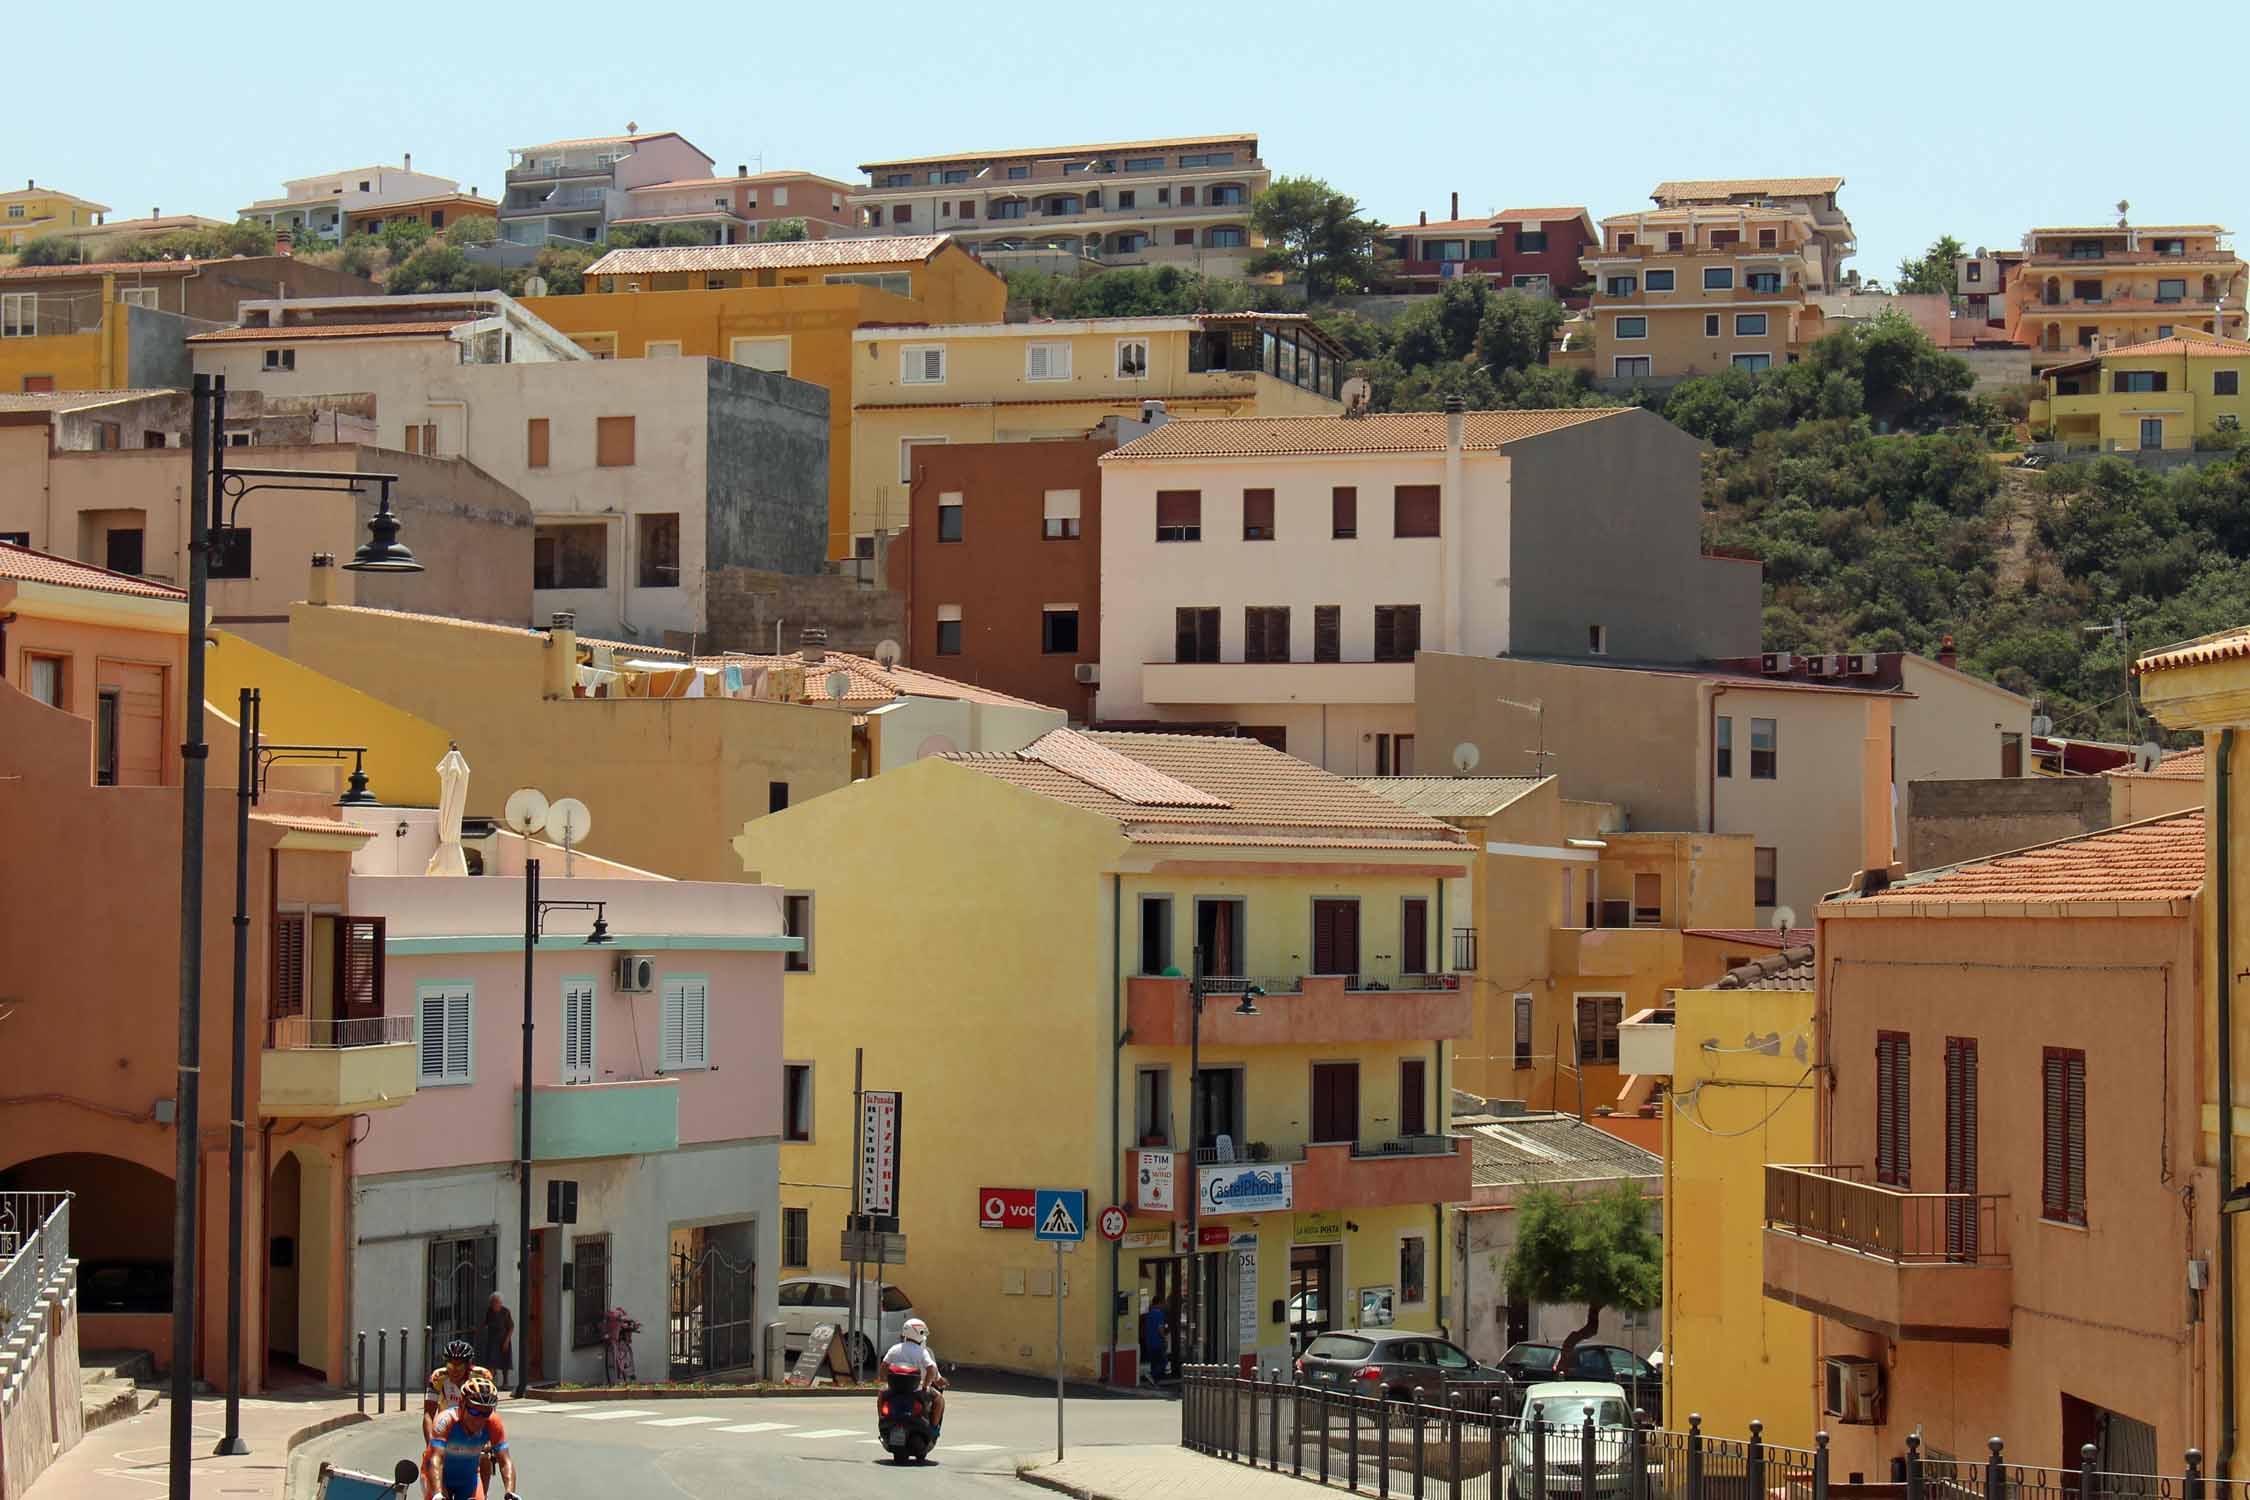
{"x": 1304, "y": 831}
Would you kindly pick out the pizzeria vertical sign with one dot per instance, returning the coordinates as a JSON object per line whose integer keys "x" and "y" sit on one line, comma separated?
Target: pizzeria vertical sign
{"x": 879, "y": 1112}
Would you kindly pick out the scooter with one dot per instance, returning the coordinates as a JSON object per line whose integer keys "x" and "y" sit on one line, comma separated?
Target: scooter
{"x": 902, "y": 1415}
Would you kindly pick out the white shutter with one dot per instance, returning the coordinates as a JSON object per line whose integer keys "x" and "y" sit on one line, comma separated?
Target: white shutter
{"x": 578, "y": 1031}
{"x": 1046, "y": 361}
{"x": 695, "y": 1024}
{"x": 922, "y": 364}
{"x": 457, "y": 1036}
{"x": 430, "y": 1027}
{"x": 442, "y": 1017}
{"x": 669, "y": 1027}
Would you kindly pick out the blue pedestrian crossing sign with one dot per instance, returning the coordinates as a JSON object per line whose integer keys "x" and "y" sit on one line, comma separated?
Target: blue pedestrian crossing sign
{"x": 1059, "y": 1214}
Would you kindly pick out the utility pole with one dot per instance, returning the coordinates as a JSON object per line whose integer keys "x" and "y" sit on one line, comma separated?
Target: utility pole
{"x": 2124, "y": 634}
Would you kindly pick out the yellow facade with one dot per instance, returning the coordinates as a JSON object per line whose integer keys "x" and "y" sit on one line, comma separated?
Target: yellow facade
{"x": 2177, "y": 392}
{"x": 986, "y": 961}
{"x": 300, "y": 706}
{"x": 90, "y": 361}
{"x": 1730, "y": 1353}
{"x": 797, "y": 322}
{"x": 2098, "y": 286}
{"x": 1695, "y": 291}
{"x": 29, "y": 213}
{"x": 996, "y": 389}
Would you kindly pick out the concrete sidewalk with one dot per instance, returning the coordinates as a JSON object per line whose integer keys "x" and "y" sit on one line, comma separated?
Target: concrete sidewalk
{"x": 129, "y": 1458}
{"x": 1161, "y": 1473}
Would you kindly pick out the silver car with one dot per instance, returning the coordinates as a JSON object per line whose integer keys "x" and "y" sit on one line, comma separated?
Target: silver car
{"x": 1557, "y": 1471}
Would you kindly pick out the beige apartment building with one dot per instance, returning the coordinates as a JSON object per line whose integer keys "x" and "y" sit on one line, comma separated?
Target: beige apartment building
{"x": 2078, "y": 289}
{"x": 1183, "y": 201}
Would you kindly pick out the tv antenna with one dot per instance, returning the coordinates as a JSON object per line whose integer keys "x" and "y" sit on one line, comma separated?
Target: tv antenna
{"x": 1537, "y": 707}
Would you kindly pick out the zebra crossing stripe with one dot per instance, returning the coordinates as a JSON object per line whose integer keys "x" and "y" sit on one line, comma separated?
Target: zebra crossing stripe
{"x": 682, "y": 1421}
{"x": 828, "y": 1432}
{"x": 760, "y": 1427}
{"x": 608, "y": 1416}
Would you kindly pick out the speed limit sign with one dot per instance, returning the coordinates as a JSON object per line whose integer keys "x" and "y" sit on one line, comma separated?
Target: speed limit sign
{"x": 1111, "y": 1223}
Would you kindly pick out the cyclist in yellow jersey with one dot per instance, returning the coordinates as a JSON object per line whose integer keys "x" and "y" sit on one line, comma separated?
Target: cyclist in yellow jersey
{"x": 447, "y": 1380}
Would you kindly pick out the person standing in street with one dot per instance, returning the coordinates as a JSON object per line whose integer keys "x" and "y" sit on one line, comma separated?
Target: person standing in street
{"x": 496, "y": 1340}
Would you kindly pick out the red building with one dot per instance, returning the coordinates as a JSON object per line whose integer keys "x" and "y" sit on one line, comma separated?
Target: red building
{"x": 1536, "y": 249}
{"x": 1001, "y": 565}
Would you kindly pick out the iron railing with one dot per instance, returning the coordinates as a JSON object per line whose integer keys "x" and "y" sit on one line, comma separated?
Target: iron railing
{"x": 1425, "y": 1144}
{"x": 307, "y": 1033}
{"x": 34, "y": 1245}
{"x": 1836, "y": 1205}
{"x": 1464, "y": 950}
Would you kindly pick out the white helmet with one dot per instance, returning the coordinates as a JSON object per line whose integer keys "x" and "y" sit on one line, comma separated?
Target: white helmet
{"x": 916, "y": 1331}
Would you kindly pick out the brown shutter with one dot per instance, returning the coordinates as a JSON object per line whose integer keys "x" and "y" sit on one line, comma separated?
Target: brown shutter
{"x": 1415, "y": 949}
{"x": 1893, "y": 1119}
{"x": 613, "y": 442}
{"x": 1406, "y": 631}
{"x": 1207, "y": 634}
{"x": 2053, "y": 1155}
{"x": 1257, "y": 515}
{"x": 1413, "y": 1097}
{"x": 1385, "y": 632}
{"x": 1327, "y": 632}
{"x": 1961, "y": 1146}
{"x": 1414, "y": 510}
{"x": 288, "y": 998}
{"x": 1179, "y": 507}
{"x": 359, "y": 967}
{"x": 535, "y": 443}
{"x": 1344, "y": 506}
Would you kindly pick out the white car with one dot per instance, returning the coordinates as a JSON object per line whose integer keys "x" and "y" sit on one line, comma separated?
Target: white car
{"x": 809, "y": 1301}
{"x": 1562, "y": 1407}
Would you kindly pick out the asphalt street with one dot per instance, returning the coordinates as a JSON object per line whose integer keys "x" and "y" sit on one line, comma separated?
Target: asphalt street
{"x": 729, "y": 1448}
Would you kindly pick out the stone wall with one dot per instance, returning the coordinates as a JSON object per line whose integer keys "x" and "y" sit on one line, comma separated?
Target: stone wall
{"x": 1951, "y": 821}
{"x": 742, "y": 606}
{"x": 39, "y": 1388}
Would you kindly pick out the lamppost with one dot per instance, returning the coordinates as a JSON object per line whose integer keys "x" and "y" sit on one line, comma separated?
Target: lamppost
{"x": 1192, "y": 1333}
{"x": 534, "y": 920}
{"x": 210, "y": 484}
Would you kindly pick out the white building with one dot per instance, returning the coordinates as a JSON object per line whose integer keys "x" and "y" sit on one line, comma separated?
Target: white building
{"x": 323, "y": 206}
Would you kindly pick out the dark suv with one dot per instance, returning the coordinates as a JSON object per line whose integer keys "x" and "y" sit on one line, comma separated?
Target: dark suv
{"x": 1535, "y": 1364}
{"x": 1387, "y": 1361}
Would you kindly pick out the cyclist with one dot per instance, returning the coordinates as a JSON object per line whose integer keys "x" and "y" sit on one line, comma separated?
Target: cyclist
{"x": 914, "y": 1349}
{"x": 446, "y": 1381}
{"x": 461, "y": 1440}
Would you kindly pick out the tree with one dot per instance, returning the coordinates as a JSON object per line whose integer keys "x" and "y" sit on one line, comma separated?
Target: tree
{"x": 440, "y": 267}
{"x": 402, "y": 237}
{"x": 1599, "y": 1251}
{"x": 243, "y": 238}
{"x": 643, "y": 236}
{"x": 1315, "y": 233}
{"x": 474, "y": 230}
{"x": 1932, "y": 270}
{"x": 563, "y": 270}
{"x": 784, "y": 229}
{"x": 49, "y": 250}
{"x": 1129, "y": 292}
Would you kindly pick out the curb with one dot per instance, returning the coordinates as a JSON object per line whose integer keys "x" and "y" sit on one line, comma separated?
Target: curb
{"x": 697, "y": 1393}
{"x": 1049, "y": 1482}
{"x": 322, "y": 1428}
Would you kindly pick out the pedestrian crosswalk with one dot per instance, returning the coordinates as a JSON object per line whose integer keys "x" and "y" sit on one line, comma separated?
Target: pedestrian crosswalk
{"x": 790, "y": 1432}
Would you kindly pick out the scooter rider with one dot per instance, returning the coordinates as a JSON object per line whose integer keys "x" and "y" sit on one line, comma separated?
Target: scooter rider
{"x": 914, "y": 1349}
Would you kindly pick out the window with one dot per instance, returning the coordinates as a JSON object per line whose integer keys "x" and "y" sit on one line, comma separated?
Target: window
{"x": 2171, "y": 289}
{"x": 1413, "y": 958}
{"x": 1206, "y": 159}
{"x": 1226, "y": 237}
{"x": 1060, "y": 520}
{"x": 1975, "y": 271}
{"x": 1183, "y": 236}
{"x": 684, "y": 1022}
{"x": 1257, "y": 515}
{"x": 796, "y": 1238}
{"x": 952, "y": 175}
{"x": 589, "y": 1268}
{"x": 1648, "y": 900}
{"x": 106, "y": 708}
{"x": 570, "y": 557}
{"x": 1156, "y": 934}
{"x": 2226, "y": 382}
{"x": 777, "y": 796}
{"x": 2062, "y": 1192}
{"x": 1767, "y": 239}
{"x": 578, "y": 1031}
{"x": 1749, "y": 325}
{"x": 796, "y": 1102}
{"x": 1722, "y": 239}
{"x": 2169, "y": 247}
{"x": 138, "y": 296}
{"x": 1394, "y": 755}
{"x": 2011, "y": 753}
{"x": 1046, "y": 361}
{"x": 462, "y": 1279}
{"x": 1132, "y": 359}
{"x": 797, "y": 922}
{"x": 230, "y": 553}
{"x": 1597, "y": 640}
{"x": 444, "y": 1015}
{"x": 1658, "y": 281}
{"x": 1343, "y": 509}
{"x": 1763, "y": 281}
{"x": 1765, "y": 749}
{"x": 922, "y": 364}
{"x": 1531, "y": 241}
{"x": 1414, "y": 510}
{"x": 1058, "y": 630}
{"x": 950, "y": 521}
{"x": 1144, "y": 163}
{"x": 1710, "y": 325}
{"x": 1017, "y": 174}
{"x": 903, "y": 214}
{"x": 1718, "y": 278}
{"x": 1195, "y": 635}
{"x": 1753, "y": 362}
{"x": 1597, "y": 1027}
{"x": 1621, "y": 286}
{"x": 659, "y": 549}
{"x": 1630, "y": 328}
{"x": 760, "y": 354}
{"x": 1265, "y": 633}
{"x": 661, "y": 349}
{"x": 421, "y": 437}
{"x": 2137, "y": 382}
{"x": 535, "y": 443}
{"x": 897, "y": 283}
{"x": 1523, "y": 1031}
{"x": 949, "y": 630}
{"x": 1327, "y": 632}
{"x": 1152, "y": 1105}
{"x": 43, "y": 678}
{"x": 1894, "y": 1100}
{"x": 1179, "y": 515}
{"x": 281, "y": 359}
{"x": 1722, "y": 739}
{"x": 1335, "y": 1101}
{"x": 1398, "y": 631}
{"x": 1625, "y": 366}
{"x": 1765, "y": 877}
{"x": 613, "y": 442}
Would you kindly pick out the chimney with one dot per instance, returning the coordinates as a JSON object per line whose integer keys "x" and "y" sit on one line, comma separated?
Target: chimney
{"x": 409, "y": 163}
{"x": 1946, "y": 655}
{"x": 742, "y": 169}
{"x": 813, "y": 645}
{"x": 1425, "y": 218}
{"x": 562, "y": 656}
{"x": 156, "y": 213}
{"x": 282, "y": 241}
{"x": 1456, "y": 423}
{"x": 322, "y": 587}
{"x": 1154, "y": 414}
{"x": 1456, "y": 207}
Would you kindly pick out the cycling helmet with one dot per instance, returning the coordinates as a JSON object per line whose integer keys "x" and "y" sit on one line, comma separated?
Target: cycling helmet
{"x": 916, "y": 1331}
{"x": 480, "y": 1396}
{"x": 460, "y": 1351}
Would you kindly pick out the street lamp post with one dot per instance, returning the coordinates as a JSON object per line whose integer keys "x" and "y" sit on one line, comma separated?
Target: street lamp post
{"x": 1192, "y": 1333}
{"x": 534, "y": 918}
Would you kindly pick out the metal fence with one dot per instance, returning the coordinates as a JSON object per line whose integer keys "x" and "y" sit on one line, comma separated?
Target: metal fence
{"x": 310, "y": 1033}
{"x": 34, "y": 1244}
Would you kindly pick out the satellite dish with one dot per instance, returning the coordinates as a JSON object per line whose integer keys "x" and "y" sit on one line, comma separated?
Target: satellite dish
{"x": 887, "y": 653}
{"x": 535, "y": 286}
{"x": 2042, "y": 725}
{"x": 526, "y": 811}
{"x": 1784, "y": 918}
{"x": 569, "y": 822}
{"x": 2147, "y": 755}
{"x": 1465, "y": 757}
{"x": 1355, "y": 395}
{"x": 838, "y": 685}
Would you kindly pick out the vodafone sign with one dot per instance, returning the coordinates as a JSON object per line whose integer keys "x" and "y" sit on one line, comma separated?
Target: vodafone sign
{"x": 1004, "y": 1208}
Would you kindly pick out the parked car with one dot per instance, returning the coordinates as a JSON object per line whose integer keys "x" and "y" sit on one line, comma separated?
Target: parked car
{"x": 1556, "y": 1468}
{"x": 1387, "y": 1361}
{"x": 1308, "y": 1319}
{"x": 1643, "y": 1383}
{"x": 809, "y": 1301}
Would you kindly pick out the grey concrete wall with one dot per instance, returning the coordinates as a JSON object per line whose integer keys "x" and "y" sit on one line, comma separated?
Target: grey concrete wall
{"x": 1951, "y": 821}
{"x": 156, "y": 355}
{"x": 766, "y": 476}
{"x": 1731, "y": 616}
{"x": 471, "y": 533}
{"x": 743, "y": 605}
{"x": 1606, "y": 529}
{"x": 1996, "y": 369}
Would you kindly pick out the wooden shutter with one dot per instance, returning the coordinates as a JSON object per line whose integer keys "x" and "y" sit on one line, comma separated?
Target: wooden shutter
{"x": 359, "y": 968}
{"x": 1179, "y": 508}
{"x": 1335, "y": 1101}
{"x": 1413, "y": 1097}
{"x": 613, "y": 442}
{"x": 535, "y": 443}
{"x": 1207, "y": 635}
{"x": 1894, "y": 1164}
{"x": 1265, "y": 633}
{"x": 1961, "y": 1146}
{"x": 457, "y": 1020}
{"x": 288, "y": 997}
{"x": 1398, "y": 632}
{"x": 1414, "y": 510}
{"x": 578, "y": 1032}
{"x": 1344, "y": 508}
{"x": 1328, "y": 632}
{"x": 1257, "y": 515}
{"x": 2063, "y": 1155}
{"x": 1386, "y": 633}
{"x": 1523, "y": 1031}
{"x": 1414, "y": 947}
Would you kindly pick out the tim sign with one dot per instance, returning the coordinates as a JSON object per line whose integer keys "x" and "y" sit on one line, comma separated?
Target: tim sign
{"x": 1004, "y": 1208}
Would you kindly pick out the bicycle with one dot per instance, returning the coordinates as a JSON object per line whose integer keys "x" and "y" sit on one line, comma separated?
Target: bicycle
{"x": 618, "y": 1329}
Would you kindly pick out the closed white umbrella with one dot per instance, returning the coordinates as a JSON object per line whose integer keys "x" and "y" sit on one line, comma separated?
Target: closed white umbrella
{"x": 453, "y": 798}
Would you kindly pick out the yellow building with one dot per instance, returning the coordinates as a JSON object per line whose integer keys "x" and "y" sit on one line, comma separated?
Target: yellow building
{"x": 1011, "y": 958}
{"x": 298, "y": 706}
{"x": 787, "y": 306}
{"x": 32, "y": 211}
{"x": 1735, "y": 1061}
{"x": 2172, "y": 392}
{"x": 2082, "y": 289}
{"x": 438, "y": 211}
{"x": 1034, "y": 382}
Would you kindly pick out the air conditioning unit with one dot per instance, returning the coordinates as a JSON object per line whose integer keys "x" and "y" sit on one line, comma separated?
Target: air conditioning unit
{"x": 1823, "y": 666}
{"x": 636, "y": 973}
{"x": 1777, "y": 663}
{"x": 1087, "y": 672}
{"x": 1852, "y": 1388}
{"x": 1860, "y": 664}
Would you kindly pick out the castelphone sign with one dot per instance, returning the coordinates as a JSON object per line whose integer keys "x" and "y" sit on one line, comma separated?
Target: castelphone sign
{"x": 878, "y": 1151}
{"x": 1244, "y": 1189}
{"x": 1005, "y": 1208}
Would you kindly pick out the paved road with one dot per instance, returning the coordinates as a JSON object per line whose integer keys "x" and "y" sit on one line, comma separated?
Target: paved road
{"x": 707, "y": 1450}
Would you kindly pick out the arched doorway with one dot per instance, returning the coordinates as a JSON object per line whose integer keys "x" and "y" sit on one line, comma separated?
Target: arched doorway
{"x": 121, "y": 1234}
{"x": 2054, "y": 290}
{"x": 300, "y": 1269}
{"x": 2053, "y": 338}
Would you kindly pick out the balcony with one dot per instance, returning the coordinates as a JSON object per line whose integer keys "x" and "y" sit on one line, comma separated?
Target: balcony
{"x": 559, "y": 173}
{"x": 1221, "y": 682}
{"x": 1315, "y": 1009}
{"x": 577, "y": 1121}
{"x": 1614, "y": 952}
{"x": 1309, "y": 1177}
{"x": 319, "y": 1069}
{"x": 1645, "y": 1043}
{"x": 1923, "y": 1266}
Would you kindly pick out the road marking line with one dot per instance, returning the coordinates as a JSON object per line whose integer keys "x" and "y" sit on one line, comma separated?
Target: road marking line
{"x": 682, "y": 1421}
{"x": 760, "y": 1427}
{"x": 829, "y": 1432}
{"x": 974, "y": 1447}
{"x": 609, "y": 1416}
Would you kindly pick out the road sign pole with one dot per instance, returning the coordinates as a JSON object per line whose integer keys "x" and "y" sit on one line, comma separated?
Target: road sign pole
{"x": 1058, "y": 1351}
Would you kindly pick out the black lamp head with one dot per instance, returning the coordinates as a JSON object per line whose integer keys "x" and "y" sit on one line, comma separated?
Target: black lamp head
{"x": 1250, "y": 997}
{"x": 383, "y": 552}
{"x": 356, "y": 794}
{"x": 600, "y": 934}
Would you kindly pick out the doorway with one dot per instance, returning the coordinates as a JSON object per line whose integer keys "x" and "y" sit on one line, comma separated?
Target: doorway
{"x": 2152, "y": 432}
{"x": 1312, "y": 1294}
{"x": 1336, "y": 938}
{"x": 1218, "y": 937}
{"x": 300, "y": 1220}
{"x": 1219, "y": 1119}
{"x": 1335, "y": 1101}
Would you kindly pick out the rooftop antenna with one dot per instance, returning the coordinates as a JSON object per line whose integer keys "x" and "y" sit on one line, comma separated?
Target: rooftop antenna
{"x": 568, "y": 823}
{"x": 1534, "y": 706}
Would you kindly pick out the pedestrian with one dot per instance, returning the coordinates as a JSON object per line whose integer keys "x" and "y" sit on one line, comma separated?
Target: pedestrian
{"x": 1152, "y": 1340}
{"x": 496, "y": 1339}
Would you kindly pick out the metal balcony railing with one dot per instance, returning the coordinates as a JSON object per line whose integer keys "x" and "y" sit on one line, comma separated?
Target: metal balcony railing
{"x": 306, "y": 1034}
{"x": 34, "y": 1244}
{"x": 1464, "y": 950}
{"x": 1404, "y": 1145}
{"x": 1838, "y": 1206}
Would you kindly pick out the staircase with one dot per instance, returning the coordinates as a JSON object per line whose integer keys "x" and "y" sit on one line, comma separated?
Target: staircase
{"x": 115, "y": 1384}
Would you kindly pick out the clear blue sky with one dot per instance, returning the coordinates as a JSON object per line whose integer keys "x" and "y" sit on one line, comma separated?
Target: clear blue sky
{"x": 1973, "y": 120}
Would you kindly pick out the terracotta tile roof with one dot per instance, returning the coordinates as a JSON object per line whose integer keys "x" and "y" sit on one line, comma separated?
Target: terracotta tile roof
{"x": 2224, "y": 645}
{"x": 1445, "y": 226}
{"x": 2192, "y": 348}
{"x": 1489, "y": 221}
{"x": 1696, "y": 190}
{"x": 871, "y": 681}
{"x": 1792, "y": 968}
{"x": 2180, "y": 765}
{"x": 1515, "y": 215}
{"x": 1096, "y": 149}
{"x": 1756, "y": 937}
{"x": 104, "y": 268}
{"x": 71, "y": 400}
{"x": 28, "y": 565}
{"x": 753, "y": 179}
{"x": 311, "y": 825}
{"x": 2157, "y": 860}
{"x": 600, "y": 140}
{"x": 886, "y": 250}
{"x": 1387, "y": 432}
{"x": 1252, "y": 795}
{"x": 292, "y": 332}
{"x": 1448, "y": 796}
